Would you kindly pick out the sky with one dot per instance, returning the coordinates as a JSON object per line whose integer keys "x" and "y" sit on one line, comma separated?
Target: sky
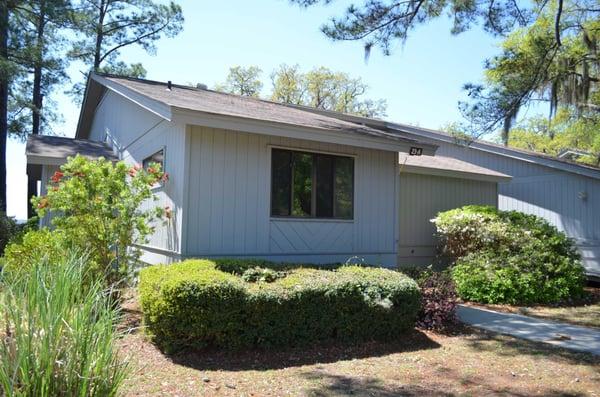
{"x": 421, "y": 80}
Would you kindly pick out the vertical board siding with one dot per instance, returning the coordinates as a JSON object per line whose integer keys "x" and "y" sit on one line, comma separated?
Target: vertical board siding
{"x": 229, "y": 196}
{"x": 136, "y": 134}
{"x": 422, "y": 197}
{"x": 549, "y": 193}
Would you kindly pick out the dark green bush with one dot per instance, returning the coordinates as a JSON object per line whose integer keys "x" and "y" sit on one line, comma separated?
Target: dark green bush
{"x": 509, "y": 257}
{"x": 195, "y": 304}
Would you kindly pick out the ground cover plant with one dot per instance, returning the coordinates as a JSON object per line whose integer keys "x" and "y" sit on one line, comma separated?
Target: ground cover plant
{"x": 509, "y": 257}
{"x": 57, "y": 333}
{"x": 194, "y": 303}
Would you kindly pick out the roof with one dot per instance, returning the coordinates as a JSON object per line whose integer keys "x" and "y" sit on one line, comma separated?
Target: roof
{"x": 173, "y": 98}
{"x": 449, "y": 167}
{"x": 519, "y": 154}
{"x": 563, "y": 164}
{"x": 47, "y": 149}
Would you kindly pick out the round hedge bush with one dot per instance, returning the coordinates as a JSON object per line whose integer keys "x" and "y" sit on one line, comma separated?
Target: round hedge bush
{"x": 509, "y": 257}
{"x": 194, "y": 304}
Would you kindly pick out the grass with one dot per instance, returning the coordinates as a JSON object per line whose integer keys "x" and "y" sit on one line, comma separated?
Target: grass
{"x": 420, "y": 363}
{"x": 585, "y": 312}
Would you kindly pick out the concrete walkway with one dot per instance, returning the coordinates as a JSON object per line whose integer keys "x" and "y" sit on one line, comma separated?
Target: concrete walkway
{"x": 534, "y": 329}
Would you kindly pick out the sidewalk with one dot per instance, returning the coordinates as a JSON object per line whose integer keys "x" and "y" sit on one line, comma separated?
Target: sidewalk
{"x": 534, "y": 329}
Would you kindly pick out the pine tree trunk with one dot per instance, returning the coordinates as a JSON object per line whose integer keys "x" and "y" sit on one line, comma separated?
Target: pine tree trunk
{"x": 4, "y": 82}
{"x": 37, "y": 97}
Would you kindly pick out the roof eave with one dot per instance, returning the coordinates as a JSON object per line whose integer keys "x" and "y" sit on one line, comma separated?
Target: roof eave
{"x": 414, "y": 169}
{"x": 506, "y": 152}
{"x": 265, "y": 127}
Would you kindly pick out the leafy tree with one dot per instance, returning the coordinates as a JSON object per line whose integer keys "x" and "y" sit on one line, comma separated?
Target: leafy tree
{"x": 319, "y": 88}
{"x": 537, "y": 65}
{"x": 96, "y": 205}
{"x": 242, "y": 81}
{"x": 564, "y": 131}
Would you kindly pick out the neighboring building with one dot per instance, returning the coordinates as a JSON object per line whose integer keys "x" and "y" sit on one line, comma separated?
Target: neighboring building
{"x": 253, "y": 178}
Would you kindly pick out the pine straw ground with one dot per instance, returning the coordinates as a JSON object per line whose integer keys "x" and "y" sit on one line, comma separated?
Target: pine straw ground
{"x": 421, "y": 363}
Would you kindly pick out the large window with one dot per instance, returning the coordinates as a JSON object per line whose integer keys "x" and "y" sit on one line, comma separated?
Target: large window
{"x": 311, "y": 185}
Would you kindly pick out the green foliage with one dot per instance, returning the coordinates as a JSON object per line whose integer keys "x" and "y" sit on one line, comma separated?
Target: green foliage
{"x": 319, "y": 88}
{"x": 242, "y": 81}
{"x": 566, "y": 130}
{"x": 96, "y": 208}
{"x": 57, "y": 337}
{"x": 552, "y": 60}
{"x": 194, "y": 304}
{"x": 9, "y": 229}
{"x": 509, "y": 257}
{"x": 35, "y": 246}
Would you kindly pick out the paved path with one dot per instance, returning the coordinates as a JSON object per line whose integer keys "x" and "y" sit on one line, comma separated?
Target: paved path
{"x": 534, "y": 329}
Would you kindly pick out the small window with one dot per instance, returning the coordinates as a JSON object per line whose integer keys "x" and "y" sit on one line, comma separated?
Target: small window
{"x": 311, "y": 185}
{"x": 156, "y": 158}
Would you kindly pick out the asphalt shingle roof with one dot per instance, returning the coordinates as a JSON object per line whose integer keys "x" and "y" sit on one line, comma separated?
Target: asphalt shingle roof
{"x": 59, "y": 147}
{"x": 213, "y": 102}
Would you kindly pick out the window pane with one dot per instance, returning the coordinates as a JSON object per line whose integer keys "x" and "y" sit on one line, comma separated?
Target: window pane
{"x": 302, "y": 179}
{"x": 324, "y": 186}
{"x": 281, "y": 182}
{"x": 344, "y": 187}
{"x": 156, "y": 158}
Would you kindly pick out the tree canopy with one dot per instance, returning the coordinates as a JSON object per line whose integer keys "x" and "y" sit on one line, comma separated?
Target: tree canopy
{"x": 320, "y": 88}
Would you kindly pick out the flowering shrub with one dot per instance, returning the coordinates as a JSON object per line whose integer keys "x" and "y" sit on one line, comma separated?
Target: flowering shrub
{"x": 95, "y": 205}
{"x": 509, "y": 257}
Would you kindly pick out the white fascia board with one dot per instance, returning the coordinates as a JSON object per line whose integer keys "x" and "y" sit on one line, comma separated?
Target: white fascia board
{"x": 506, "y": 152}
{"x": 291, "y": 131}
{"x": 161, "y": 109}
{"x": 411, "y": 169}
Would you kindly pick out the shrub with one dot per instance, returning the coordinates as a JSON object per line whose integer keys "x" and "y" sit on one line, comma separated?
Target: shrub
{"x": 8, "y": 230}
{"x": 34, "y": 247}
{"x": 438, "y": 297}
{"x": 57, "y": 338}
{"x": 97, "y": 206}
{"x": 195, "y": 304}
{"x": 509, "y": 257}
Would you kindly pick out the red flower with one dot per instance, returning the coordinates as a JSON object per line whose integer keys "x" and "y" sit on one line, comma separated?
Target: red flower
{"x": 137, "y": 167}
{"x": 132, "y": 172}
{"x": 151, "y": 170}
{"x": 57, "y": 177}
{"x": 165, "y": 177}
{"x": 168, "y": 212}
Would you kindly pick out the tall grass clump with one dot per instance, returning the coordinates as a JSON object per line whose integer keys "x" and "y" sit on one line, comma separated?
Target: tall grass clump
{"x": 57, "y": 333}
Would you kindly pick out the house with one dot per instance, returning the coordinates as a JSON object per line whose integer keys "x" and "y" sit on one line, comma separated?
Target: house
{"x": 565, "y": 193}
{"x": 253, "y": 178}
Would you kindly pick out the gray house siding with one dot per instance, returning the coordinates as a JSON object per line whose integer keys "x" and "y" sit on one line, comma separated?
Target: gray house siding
{"x": 229, "y": 203}
{"x": 422, "y": 197}
{"x": 569, "y": 201}
{"x": 134, "y": 133}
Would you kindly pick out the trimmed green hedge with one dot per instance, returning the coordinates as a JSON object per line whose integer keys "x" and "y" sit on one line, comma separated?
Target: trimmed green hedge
{"x": 194, "y": 304}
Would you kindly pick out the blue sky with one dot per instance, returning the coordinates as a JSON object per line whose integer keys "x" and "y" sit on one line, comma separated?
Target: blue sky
{"x": 421, "y": 81}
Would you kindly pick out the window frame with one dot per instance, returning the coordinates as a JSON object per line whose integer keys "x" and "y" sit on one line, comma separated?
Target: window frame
{"x": 163, "y": 148}
{"x": 312, "y": 216}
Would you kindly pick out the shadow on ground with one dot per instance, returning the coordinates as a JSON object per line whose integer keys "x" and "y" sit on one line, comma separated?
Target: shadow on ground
{"x": 265, "y": 359}
{"x": 339, "y": 385}
{"x": 509, "y": 346}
